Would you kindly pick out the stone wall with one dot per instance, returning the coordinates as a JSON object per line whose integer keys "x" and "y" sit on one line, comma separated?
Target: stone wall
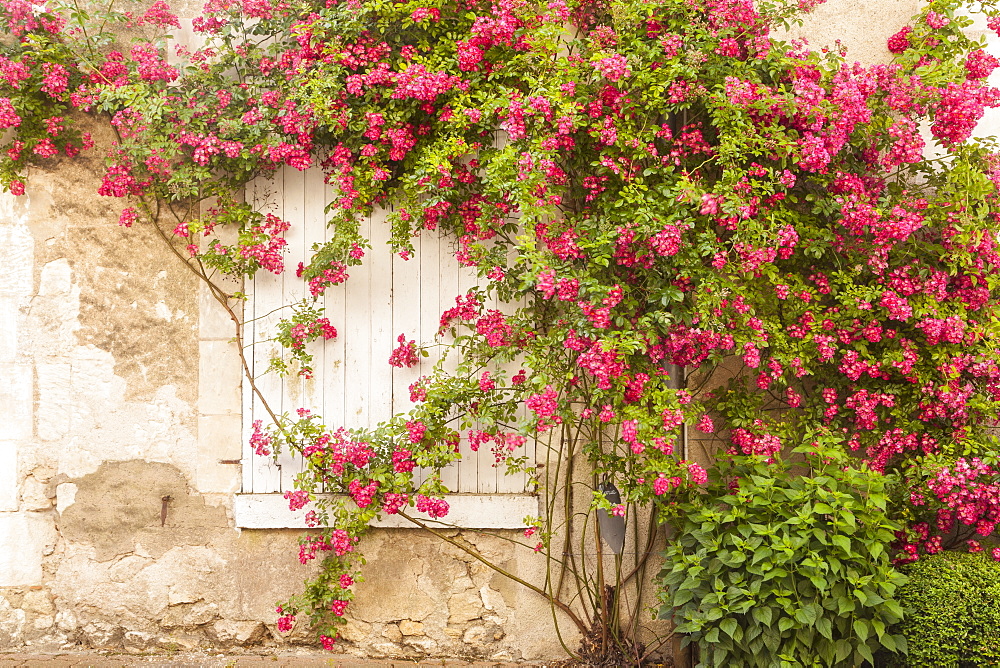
{"x": 120, "y": 398}
{"x": 120, "y": 406}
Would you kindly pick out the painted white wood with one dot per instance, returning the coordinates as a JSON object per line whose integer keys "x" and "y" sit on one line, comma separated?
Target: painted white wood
{"x": 431, "y": 307}
{"x": 380, "y": 406}
{"x": 250, "y": 459}
{"x": 468, "y": 511}
{"x": 516, "y": 483}
{"x": 470, "y": 474}
{"x": 333, "y": 372}
{"x": 409, "y": 283}
{"x": 266, "y": 295}
{"x": 448, "y": 289}
{"x": 314, "y": 234}
{"x": 293, "y": 290}
{"x": 358, "y": 339}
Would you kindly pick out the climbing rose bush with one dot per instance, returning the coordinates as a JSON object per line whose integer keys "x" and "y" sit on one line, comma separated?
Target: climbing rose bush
{"x": 647, "y": 186}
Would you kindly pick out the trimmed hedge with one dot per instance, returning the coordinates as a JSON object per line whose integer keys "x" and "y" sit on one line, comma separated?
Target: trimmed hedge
{"x": 953, "y": 611}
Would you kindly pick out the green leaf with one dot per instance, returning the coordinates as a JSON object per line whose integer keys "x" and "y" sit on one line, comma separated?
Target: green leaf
{"x": 894, "y": 609}
{"x": 810, "y": 613}
{"x": 844, "y": 650}
{"x": 866, "y": 652}
{"x": 728, "y": 626}
{"x": 825, "y": 627}
{"x": 861, "y": 629}
{"x": 763, "y": 614}
{"x": 682, "y": 596}
{"x": 843, "y": 542}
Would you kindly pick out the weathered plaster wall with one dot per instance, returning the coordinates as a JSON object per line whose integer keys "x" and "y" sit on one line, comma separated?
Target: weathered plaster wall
{"x": 120, "y": 404}
{"x": 862, "y": 27}
{"x": 118, "y": 389}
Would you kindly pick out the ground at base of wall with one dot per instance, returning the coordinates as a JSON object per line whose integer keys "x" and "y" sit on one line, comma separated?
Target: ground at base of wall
{"x": 291, "y": 658}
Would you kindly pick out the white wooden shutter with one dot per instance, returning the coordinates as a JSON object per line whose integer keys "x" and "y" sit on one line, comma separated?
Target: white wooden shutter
{"x": 353, "y": 386}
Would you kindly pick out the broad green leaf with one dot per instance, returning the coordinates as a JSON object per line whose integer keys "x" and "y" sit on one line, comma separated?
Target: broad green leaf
{"x": 866, "y": 652}
{"x": 762, "y": 614}
{"x": 844, "y": 650}
{"x": 861, "y": 629}
{"x": 825, "y": 627}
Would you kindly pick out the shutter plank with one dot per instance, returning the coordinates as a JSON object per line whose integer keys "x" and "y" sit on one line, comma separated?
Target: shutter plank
{"x": 266, "y": 196}
{"x": 358, "y": 339}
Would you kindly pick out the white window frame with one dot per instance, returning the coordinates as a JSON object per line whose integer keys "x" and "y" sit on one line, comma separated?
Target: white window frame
{"x": 299, "y": 198}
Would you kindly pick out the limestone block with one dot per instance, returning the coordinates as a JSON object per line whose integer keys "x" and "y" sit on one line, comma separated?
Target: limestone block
{"x": 43, "y": 622}
{"x": 8, "y": 475}
{"x": 66, "y": 621}
{"x": 189, "y": 614}
{"x": 12, "y": 621}
{"x": 476, "y": 635}
{"x": 221, "y": 435}
{"x": 102, "y": 634}
{"x": 493, "y": 601}
{"x": 411, "y": 628}
{"x": 56, "y": 279}
{"x": 216, "y": 478}
{"x": 460, "y": 584}
{"x": 24, "y": 539}
{"x": 355, "y": 631}
{"x": 8, "y": 328}
{"x": 16, "y": 271}
{"x": 177, "y": 641}
{"x": 34, "y": 495}
{"x": 423, "y": 643}
{"x": 242, "y": 632}
{"x": 182, "y": 596}
{"x": 55, "y": 400}
{"x": 219, "y": 438}
{"x": 37, "y": 601}
{"x": 16, "y": 399}
{"x": 138, "y": 640}
{"x": 464, "y": 607}
{"x": 378, "y": 649}
{"x": 220, "y": 378}
{"x": 213, "y": 320}
{"x": 392, "y": 632}
{"x": 94, "y": 382}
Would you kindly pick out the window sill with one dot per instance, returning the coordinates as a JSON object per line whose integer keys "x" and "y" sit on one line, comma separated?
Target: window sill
{"x": 468, "y": 511}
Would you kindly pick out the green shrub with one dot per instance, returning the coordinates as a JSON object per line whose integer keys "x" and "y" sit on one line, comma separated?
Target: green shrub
{"x": 953, "y": 611}
{"x": 776, "y": 566}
